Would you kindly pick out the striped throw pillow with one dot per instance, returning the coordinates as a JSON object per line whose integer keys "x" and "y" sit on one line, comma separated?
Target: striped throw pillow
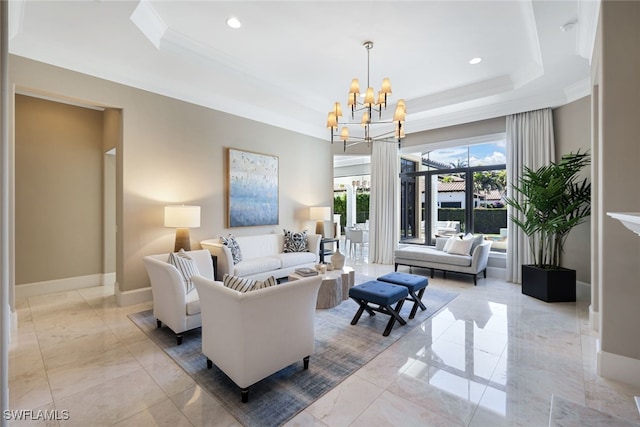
{"x": 270, "y": 281}
{"x": 186, "y": 266}
{"x": 242, "y": 284}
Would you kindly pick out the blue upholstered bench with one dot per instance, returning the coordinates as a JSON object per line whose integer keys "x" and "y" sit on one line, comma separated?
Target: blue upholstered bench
{"x": 413, "y": 283}
{"x": 379, "y": 296}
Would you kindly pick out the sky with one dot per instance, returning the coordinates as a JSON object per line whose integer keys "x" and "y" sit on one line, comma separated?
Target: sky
{"x": 491, "y": 153}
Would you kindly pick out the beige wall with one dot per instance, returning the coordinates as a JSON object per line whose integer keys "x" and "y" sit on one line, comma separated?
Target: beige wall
{"x": 572, "y": 132}
{"x": 58, "y": 166}
{"x": 173, "y": 152}
{"x": 616, "y": 74}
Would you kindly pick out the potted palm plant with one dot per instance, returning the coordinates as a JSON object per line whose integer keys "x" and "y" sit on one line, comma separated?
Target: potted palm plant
{"x": 555, "y": 201}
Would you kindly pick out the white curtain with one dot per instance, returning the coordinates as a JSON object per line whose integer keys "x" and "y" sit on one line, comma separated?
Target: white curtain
{"x": 384, "y": 204}
{"x": 529, "y": 143}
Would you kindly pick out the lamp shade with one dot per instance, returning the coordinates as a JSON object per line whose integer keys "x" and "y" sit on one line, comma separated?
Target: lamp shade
{"x": 182, "y": 216}
{"x": 320, "y": 213}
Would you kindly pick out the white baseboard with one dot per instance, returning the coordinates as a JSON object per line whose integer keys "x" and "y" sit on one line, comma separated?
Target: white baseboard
{"x": 583, "y": 291}
{"x": 594, "y": 319}
{"x": 108, "y": 279}
{"x": 58, "y": 285}
{"x": 496, "y": 272}
{"x": 619, "y": 368}
{"x": 135, "y": 296}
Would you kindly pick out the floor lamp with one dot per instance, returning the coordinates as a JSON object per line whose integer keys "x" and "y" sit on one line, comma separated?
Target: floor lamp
{"x": 182, "y": 218}
{"x": 320, "y": 214}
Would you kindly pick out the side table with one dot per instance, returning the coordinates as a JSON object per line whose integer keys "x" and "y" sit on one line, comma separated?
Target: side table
{"x": 324, "y": 251}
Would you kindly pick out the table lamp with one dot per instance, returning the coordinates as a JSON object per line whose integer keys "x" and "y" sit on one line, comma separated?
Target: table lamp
{"x": 320, "y": 214}
{"x": 182, "y": 218}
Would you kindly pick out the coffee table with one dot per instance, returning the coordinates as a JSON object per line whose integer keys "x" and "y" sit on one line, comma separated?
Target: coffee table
{"x": 334, "y": 288}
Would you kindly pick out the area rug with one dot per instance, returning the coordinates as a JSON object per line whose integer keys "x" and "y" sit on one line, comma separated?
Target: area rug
{"x": 340, "y": 350}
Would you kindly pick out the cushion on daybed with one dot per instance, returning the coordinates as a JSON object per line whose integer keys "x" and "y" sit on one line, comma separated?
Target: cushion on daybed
{"x": 460, "y": 246}
{"x": 432, "y": 255}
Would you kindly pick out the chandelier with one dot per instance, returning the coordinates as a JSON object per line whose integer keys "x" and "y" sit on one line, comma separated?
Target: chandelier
{"x": 370, "y": 107}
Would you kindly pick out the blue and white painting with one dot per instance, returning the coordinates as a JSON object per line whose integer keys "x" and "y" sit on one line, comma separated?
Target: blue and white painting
{"x": 253, "y": 189}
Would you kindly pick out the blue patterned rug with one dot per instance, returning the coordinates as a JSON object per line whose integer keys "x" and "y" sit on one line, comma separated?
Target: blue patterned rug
{"x": 340, "y": 350}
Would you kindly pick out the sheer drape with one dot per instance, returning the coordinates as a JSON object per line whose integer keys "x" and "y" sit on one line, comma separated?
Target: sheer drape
{"x": 383, "y": 230}
{"x": 529, "y": 143}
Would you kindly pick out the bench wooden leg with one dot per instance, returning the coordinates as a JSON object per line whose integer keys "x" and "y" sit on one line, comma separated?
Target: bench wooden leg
{"x": 417, "y": 302}
{"x": 394, "y": 314}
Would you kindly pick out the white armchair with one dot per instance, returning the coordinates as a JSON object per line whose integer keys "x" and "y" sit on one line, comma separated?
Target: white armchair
{"x": 171, "y": 303}
{"x": 252, "y": 335}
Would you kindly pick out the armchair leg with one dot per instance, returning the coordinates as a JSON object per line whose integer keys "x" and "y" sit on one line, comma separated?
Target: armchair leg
{"x": 244, "y": 393}
{"x": 475, "y": 280}
{"x": 209, "y": 363}
{"x": 485, "y": 273}
{"x": 306, "y": 362}
{"x": 179, "y": 339}
{"x": 159, "y": 323}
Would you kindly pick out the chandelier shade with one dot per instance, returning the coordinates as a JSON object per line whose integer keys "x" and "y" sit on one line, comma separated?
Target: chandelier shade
{"x": 372, "y": 102}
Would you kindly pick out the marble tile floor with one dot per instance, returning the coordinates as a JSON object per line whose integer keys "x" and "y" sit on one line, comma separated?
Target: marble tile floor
{"x": 492, "y": 357}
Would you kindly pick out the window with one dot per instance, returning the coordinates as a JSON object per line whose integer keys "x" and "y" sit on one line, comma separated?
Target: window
{"x": 455, "y": 190}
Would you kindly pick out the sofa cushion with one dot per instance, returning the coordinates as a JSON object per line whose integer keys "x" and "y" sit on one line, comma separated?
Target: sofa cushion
{"x": 252, "y": 266}
{"x": 295, "y": 241}
{"x": 233, "y": 246}
{"x": 432, "y": 255}
{"x": 295, "y": 258}
{"x": 186, "y": 266}
{"x": 193, "y": 303}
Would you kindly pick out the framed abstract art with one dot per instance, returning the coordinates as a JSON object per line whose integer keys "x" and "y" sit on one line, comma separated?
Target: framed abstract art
{"x": 252, "y": 189}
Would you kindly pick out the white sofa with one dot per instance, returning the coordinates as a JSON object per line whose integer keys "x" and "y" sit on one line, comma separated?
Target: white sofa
{"x": 262, "y": 256}
{"x": 435, "y": 258}
{"x": 171, "y": 303}
{"x": 252, "y": 335}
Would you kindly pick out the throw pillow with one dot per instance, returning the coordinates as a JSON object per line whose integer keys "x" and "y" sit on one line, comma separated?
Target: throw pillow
{"x": 440, "y": 242}
{"x": 240, "y": 284}
{"x": 477, "y": 240}
{"x": 186, "y": 266}
{"x": 448, "y": 243}
{"x": 295, "y": 241}
{"x": 460, "y": 246}
{"x": 270, "y": 281}
{"x": 243, "y": 284}
{"x": 233, "y": 246}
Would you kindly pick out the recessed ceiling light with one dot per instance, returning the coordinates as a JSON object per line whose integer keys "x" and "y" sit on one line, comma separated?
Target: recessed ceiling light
{"x": 474, "y": 61}
{"x": 234, "y": 22}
